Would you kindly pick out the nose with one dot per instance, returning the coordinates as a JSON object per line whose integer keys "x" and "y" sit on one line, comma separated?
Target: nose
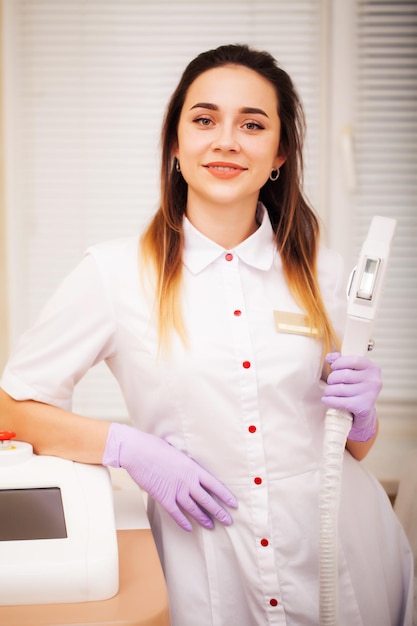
{"x": 226, "y": 139}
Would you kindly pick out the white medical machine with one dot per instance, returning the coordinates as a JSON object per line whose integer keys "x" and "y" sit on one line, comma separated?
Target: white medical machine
{"x": 364, "y": 293}
{"x": 58, "y": 540}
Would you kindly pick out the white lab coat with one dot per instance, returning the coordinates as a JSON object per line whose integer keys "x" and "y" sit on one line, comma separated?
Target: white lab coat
{"x": 244, "y": 401}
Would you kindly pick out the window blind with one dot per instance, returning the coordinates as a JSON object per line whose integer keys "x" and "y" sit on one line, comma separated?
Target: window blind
{"x": 87, "y": 83}
{"x": 386, "y": 169}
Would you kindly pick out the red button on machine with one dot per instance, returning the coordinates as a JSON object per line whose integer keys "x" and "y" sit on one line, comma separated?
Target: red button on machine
{"x": 6, "y": 442}
{"x": 6, "y": 435}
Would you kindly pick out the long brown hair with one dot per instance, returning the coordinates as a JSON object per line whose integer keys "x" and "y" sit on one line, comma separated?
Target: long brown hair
{"x": 295, "y": 225}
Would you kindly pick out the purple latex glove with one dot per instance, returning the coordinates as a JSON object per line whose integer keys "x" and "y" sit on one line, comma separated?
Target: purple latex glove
{"x": 353, "y": 385}
{"x": 169, "y": 476}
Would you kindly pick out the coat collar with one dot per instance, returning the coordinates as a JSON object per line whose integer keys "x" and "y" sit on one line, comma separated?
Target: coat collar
{"x": 258, "y": 250}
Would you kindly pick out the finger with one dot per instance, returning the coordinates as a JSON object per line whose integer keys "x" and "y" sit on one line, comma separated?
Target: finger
{"x": 169, "y": 503}
{"x": 193, "y": 509}
{"x": 357, "y": 405}
{"x": 338, "y": 402}
{"x": 197, "y": 513}
{"x": 345, "y": 377}
{"x": 351, "y": 362}
{"x": 332, "y": 357}
{"x": 178, "y": 517}
{"x": 205, "y": 501}
{"x": 217, "y": 488}
{"x": 345, "y": 389}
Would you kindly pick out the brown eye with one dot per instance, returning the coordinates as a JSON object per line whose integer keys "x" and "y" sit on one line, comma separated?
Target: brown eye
{"x": 253, "y": 126}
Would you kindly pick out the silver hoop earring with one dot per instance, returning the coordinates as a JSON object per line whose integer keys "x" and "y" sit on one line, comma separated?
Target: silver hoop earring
{"x": 274, "y": 175}
{"x": 177, "y": 165}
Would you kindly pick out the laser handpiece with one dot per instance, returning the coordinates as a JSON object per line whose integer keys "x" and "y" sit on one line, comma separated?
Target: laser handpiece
{"x": 365, "y": 285}
{"x": 364, "y": 293}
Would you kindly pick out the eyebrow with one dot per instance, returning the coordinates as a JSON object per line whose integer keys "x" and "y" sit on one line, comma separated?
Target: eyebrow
{"x": 214, "y": 107}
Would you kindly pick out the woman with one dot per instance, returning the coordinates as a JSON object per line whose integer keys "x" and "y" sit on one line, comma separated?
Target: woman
{"x": 227, "y": 407}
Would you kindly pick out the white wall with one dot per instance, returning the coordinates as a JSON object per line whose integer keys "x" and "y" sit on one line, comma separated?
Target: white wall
{"x": 85, "y": 89}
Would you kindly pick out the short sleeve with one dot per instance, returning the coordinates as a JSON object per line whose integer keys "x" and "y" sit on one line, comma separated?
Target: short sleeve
{"x": 74, "y": 331}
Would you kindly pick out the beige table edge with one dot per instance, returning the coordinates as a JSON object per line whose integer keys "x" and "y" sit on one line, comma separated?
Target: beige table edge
{"x": 142, "y": 599}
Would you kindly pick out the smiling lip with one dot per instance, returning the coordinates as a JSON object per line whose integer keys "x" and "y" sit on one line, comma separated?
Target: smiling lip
{"x": 221, "y": 169}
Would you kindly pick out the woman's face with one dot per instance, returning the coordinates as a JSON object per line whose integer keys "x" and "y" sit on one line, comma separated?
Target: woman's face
{"x": 228, "y": 137}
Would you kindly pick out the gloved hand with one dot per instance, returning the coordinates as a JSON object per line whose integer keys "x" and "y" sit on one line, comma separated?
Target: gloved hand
{"x": 169, "y": 476}
{"x": 353, "y": 385}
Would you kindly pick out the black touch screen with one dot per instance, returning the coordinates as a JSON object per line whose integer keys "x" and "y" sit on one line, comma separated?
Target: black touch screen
{"x": 27, "y": 514}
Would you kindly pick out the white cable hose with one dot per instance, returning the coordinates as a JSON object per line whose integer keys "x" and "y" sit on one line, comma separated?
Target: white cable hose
{"x": 336, "y": 429}
{"x": 337, "y": 426}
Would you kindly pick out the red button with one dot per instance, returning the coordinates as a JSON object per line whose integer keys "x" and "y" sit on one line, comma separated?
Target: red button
{"x": 229, "y": 257}
{"x": 257, "y": 480}
{"x": 6, "y": 435}
{"x": 273, "y": 602}
{"x": 237, "y": 312}
{"x": 252, "y": 429}
{"x": 264, "y": 542}
{"x": 246, "y": 364}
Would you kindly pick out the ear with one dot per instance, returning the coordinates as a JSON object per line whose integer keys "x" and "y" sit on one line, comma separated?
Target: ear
{"x": 279, "y": 159}
{"x": 175, "y": 149}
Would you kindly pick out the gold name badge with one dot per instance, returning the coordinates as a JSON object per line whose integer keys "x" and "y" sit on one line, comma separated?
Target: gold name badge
{"x": 293, "y": 323}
